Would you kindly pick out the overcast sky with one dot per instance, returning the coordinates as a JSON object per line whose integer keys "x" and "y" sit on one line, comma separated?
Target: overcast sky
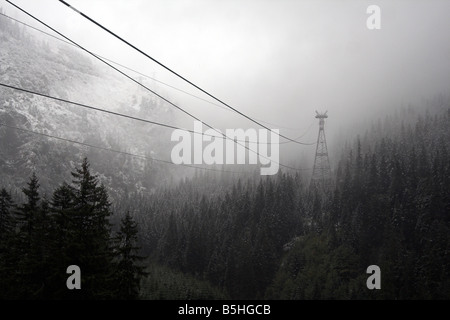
{"x": 275, "y": 60}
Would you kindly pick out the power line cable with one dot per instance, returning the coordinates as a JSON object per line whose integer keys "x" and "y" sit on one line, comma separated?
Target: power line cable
{"x": 121, "y": 152}
{"x": 108, "y": 64}
{"x": 115, "y": 151}
{"x": 107, "y": 149}
{"x": 147, "y": 76}
{"x": 150, "y": 90}
{"x": 121, "y": 114}
{"x": 170, "y": 70}
{"x": 92, "y": 108}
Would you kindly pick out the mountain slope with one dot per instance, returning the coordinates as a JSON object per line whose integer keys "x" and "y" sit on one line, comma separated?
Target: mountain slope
{"x": 62, "y": 71}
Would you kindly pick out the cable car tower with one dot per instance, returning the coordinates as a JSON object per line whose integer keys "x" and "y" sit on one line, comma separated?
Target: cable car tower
{"x": 321, "y": 177}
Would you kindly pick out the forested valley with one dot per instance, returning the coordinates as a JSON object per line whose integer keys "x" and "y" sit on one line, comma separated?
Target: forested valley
{"x": 213, "y": 237}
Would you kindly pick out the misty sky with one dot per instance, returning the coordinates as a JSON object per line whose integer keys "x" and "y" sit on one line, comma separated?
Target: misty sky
{"x": 275, "y": 60}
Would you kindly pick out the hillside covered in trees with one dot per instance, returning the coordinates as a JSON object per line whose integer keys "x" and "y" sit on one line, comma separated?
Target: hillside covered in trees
{"x": 41, "y": 64}
{"x": 278, "y": 239}
{"x": 259, "y": 238}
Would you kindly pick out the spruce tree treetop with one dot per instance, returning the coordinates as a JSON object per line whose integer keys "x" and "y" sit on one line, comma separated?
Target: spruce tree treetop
{"x": 129, "y": 272}
{"x": 85, "y": 183}
{"x": 32, "y": 193}
{"x": 28, "y": 211}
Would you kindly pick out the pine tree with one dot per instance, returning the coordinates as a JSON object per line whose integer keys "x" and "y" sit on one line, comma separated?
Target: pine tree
{"x": 90, "y": 246}
{"x": 128, "y": 272}
{"x": 24, "y": 248}
{"x": 61, "y": 206}
{"x": 28, "y": 211}
{"x": 62, "y": 203}
{"x": 32, "y": 245}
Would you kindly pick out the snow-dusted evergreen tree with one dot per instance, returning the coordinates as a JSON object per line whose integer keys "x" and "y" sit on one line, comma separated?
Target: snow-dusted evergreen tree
{"x": 129, "y": 270}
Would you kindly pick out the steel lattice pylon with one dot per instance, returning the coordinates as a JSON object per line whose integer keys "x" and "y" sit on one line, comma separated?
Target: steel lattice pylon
{"x": 321, "y": 176}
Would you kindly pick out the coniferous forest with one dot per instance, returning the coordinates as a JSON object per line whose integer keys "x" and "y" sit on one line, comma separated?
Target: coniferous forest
{"x": 258, "y": 238}
{"x": 93, "y": 208}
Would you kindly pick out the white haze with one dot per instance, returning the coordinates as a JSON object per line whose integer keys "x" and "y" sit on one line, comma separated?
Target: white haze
{"x": 277, "y": 61}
